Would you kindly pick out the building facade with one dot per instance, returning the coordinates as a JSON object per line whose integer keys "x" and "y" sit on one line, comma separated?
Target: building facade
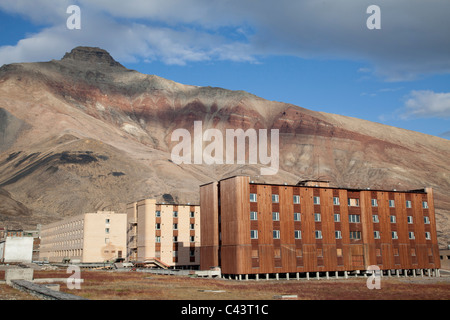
{"x": 88, "y": 238}
{"x": 251, "y": 228}
{"x": 164, "y": 233}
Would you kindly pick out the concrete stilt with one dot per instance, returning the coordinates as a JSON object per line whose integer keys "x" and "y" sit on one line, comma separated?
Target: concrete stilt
{"x": 277, "y": 276}
{"x": 257, "y": 277}
{"x": 429, "y": 272}
{"x": 327, "y": 275}
{"x": 267, "y": 276}
{"x": 336, "y": 274}
{"x": 307, "y": 275}
{"x": 317, "y": 276}
{"x": 346, "y": 274}
{"x": 287, "y": 276}
{"x": 297, "y": 275}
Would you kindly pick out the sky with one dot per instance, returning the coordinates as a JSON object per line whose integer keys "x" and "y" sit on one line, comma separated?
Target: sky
{"x": 389, "y": 64}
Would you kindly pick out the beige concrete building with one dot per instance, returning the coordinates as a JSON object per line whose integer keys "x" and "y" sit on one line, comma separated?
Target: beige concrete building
{"x": 164, "y": 233}
{"x": 89, "y": 237}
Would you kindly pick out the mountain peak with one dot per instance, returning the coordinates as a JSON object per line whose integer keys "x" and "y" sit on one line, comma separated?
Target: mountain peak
{"x": 91, "y": 55}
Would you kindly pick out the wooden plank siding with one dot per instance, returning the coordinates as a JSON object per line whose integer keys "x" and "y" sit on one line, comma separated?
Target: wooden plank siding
{"x": 209, "y": 226}
{"x": 355, "y": 248}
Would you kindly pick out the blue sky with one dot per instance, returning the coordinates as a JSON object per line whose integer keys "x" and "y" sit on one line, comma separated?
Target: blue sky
{"x": 315, "y": 54}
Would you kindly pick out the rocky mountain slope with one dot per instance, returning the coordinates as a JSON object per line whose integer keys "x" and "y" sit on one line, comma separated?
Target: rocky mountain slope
{"x": 84, "y": 133}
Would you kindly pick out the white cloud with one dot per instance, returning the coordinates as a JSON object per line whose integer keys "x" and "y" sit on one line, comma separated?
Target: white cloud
{"x": 427, "y": 104}
{"x": 412, "y": 40}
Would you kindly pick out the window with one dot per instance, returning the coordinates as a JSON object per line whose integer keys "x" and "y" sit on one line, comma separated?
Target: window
{"x": 391, "y": 203}
{"x": 338, "y": 234}
{"x": 318, "y": 234}
{"x": 297, "y": 216}
{"x": 355, "y": 235}
{"x": 410, "y": 219}
{"x": 297, "y": 234}
{"x": 175, "y": 226}
{"x": 277, "y": 253}
{"x": 275, "y": 216}
{"x": 107, "y": 221}
{"x": 319, "y": 252}
{"x": 355, "y": 218}
{"x": 191, "y": 253}
{"x": 317, "y": 217}
{"x": 424, "y": 204}
{"x": 296, "y": 199}
{"x": 192, "y": 238}
{"x": 337, "y": 217}
{"x": 253, "y": 197}
{"x": 157, "y": 226}
{"x": 276, "y": 234}
{"x": 393, "y": 219}
{"x": 157, "y": 239}
{"x": 408, "y": 204}
{"x": 411, "y": 235}
{"x": 275, "y": 198}
{"x": 374, "y": 202}
{"x": 192, "y": 214}
{"x": 253, "y": 234}
{"x": 316, "y": 200}
{"x": 376, "y": 234}
{"x": 106, "y": 240}
{"x": 158, "y": 213}
{"x": 394, "y": 235}
{"x": 175, "y": 239}
{"x": 191, "y": 226}
{"x": 427, "y": 235}
{"x": 106, "y": 230}
{"x": 353, "y": 202}
{"x": 375, "y": 218}
{"x": 339, "y": 252}
{"x": 253, "y": 215}
{"x": 336, "y": 201}
{"x": 426, "y": 220}
{"x": 175, "y": 214}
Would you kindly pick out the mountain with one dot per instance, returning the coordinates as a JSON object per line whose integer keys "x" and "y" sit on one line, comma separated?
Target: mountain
{"x": 84, "y": 133}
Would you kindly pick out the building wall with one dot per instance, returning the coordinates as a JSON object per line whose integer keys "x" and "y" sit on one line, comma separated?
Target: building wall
{"x": 355, "y": 248}
{"x": 164, "y": 236}
{"x": 87, "y": 237}
{"x": 18, "y": 249}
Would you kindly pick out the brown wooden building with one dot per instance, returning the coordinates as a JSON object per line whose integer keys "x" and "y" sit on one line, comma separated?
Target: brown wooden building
{"x": 251, "y": 228}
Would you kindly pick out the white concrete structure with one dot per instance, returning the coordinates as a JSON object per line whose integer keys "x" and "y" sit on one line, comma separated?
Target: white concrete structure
{"x": 16, "y": 249}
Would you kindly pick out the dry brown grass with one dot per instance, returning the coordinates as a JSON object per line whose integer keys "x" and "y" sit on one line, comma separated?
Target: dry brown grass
{"x": 102, "y": 285}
